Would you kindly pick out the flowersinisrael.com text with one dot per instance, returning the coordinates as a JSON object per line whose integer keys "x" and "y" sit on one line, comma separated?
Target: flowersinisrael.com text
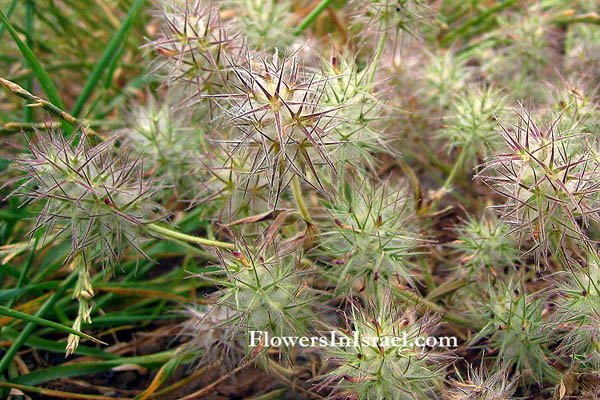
{"x": 334, "y": 339}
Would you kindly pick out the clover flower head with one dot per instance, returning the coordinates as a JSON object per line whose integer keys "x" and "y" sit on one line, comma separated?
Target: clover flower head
{"x": 100, "y": 199}
{"x": 516, "y": 324}
{"x": 527, "y": 50}
{"x": 230, "y": 184}
{"x": 209, "y": 330}
{"x": 445, "y": 75}
{"x": 265, "y": 23}
{"x": 548, "y": 181}
{"x": 267, "y": 294}
{"x": 472, "y": 122}
{"x": 578, "y": 313}
{"x": 360, "y": 114}
{"x": 481, "y": 385}
{"x": 191, "y": 42}
{"x": 485, "y": 243}
{"x": 576, "y": 99}
{"x": 281, "y": 123}
{"x": 165, "y": 136}
{"x": 374, "y": 237}
{"x": 582, "y": 47}
{"x": 382, "y": 360}
{"x": 395, "y": 16}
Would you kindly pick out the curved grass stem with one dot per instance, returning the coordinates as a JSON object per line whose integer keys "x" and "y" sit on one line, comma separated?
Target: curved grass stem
{"x": 171, "y": 234}
{"x": 448, "y": 316}
{"x": 457, "y": 166}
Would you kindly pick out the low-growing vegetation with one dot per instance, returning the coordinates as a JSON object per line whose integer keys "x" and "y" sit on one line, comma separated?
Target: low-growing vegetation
{"x": 280, "y": 199}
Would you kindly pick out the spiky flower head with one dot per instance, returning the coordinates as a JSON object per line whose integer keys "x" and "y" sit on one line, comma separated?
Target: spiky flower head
{"x": 526, "y": 51}
{"x": 577, "y": 99}
{"x": 230, "y": 185}
{"x": 549, "y": 182}
{"x": 373, "y": 237}
{"x": 281, "y": 122}
{"x": 394, "y": 16}
{"x": 190, "y": 42}
{"x": 360, "y": 116}
{"x": 516, "y": 327}
{"x": 445, "y": 75}
{"x": 266, "y": 293}
{"x": 471, "y": 123}
{"x": 578, "y": 313}
{"x": 96, "y": 197}
{"x": 209, "y": 331}
{"x": 164, "y": 134}
{"x": 382, "y": 360}
{"x": 485, "y": 243}
{"x": 481, "y": 385}
{"x": 582, "y": 46}
{"x": 266, "y": 24}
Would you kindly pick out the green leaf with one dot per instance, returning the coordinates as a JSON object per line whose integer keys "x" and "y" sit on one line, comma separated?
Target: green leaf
{"x": 37, "y": 68}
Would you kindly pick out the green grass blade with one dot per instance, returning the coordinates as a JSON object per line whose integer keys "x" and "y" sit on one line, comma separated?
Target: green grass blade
{"x": 56, "y": 347}
{"x": 44, "y": 322}
{"x": 37, "y": 68}
{"x": 28, "y": 330}
{"x": 25, "y": 270}
{"x": 9, "y": 12}
{"x": 310, "y": 18}
{"x": 107, "y": 57}
{"x": 29, "y": 17}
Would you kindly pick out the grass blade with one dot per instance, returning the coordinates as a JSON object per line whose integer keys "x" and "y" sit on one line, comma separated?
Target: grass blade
{"x": 9, "y": 12}
{"x": 56, "y": 347}
{"x": 84, "y": 368}
{"x": 29, "y": 17}
{"x": 37, "y": 68}
{"x": 28, "y": 330}
{"x": 310, "y": 18}
{"x": 44, "y": 322}
{"x": 107, "y": 56}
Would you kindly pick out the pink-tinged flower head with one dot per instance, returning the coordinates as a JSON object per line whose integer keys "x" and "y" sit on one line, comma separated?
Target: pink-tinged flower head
{"x": 97, "y": 197}
{"x": 279, "y": 119}
{"x": 549, "y": 181}
{"x": 191, "y": 41}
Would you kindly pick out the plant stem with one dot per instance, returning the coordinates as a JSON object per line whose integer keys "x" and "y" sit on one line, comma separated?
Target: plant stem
{"x": 166, "y": 232}
{"x": 427, "y": 270}
{"x": 46, "y": 105}
{"x": 588, "y": 18}
{"x": 312, "y": 16}
{"x": 11, "y": 128}
{"x": 448, "y": 316}
{"x": 299, "y": 199}
{"x": 457, "y": 165}
{"x": 449, "y": 37}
